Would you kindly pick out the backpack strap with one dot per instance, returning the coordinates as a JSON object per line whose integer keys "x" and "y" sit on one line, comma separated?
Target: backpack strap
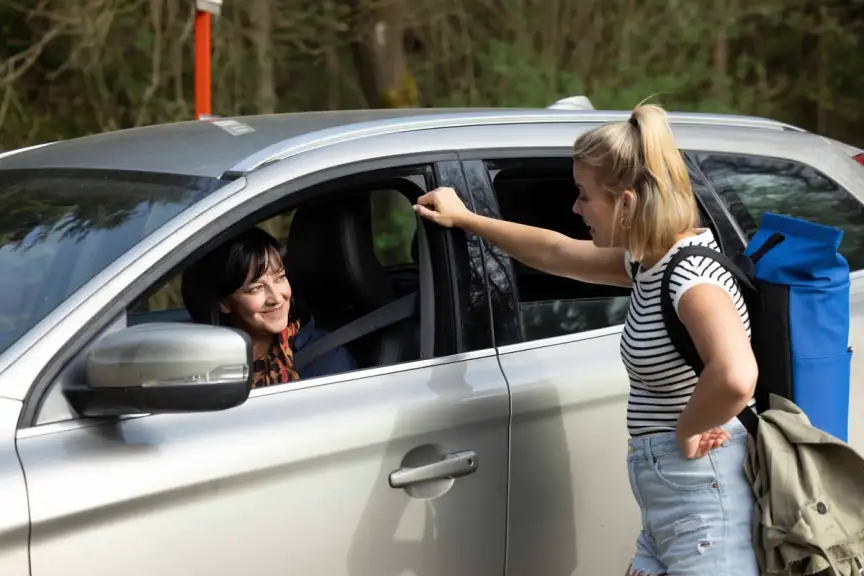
{"x": 678, "y": 332}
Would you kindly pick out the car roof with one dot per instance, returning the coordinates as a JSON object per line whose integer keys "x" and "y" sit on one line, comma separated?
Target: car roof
{"x": 229, "y": 147}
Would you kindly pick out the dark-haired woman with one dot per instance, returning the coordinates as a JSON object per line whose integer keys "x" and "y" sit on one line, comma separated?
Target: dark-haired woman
{"x": 242, "y": 284}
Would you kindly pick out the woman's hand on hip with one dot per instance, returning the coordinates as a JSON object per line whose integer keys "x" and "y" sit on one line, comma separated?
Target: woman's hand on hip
{"x": 699, "y": 445}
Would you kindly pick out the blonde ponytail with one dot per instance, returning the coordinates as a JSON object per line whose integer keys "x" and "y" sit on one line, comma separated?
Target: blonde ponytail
{"x": 641, "y": 155}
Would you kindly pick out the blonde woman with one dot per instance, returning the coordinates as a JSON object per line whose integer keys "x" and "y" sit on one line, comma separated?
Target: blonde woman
{"x": 687, "y": 449}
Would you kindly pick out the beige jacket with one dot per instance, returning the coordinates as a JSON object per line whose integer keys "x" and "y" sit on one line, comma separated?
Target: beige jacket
{"x": 809, "y": 489}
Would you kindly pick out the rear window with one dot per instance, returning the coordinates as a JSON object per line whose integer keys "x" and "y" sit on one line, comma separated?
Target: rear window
{"x": 60, "y": 228}
{"x": 752, "y": 185}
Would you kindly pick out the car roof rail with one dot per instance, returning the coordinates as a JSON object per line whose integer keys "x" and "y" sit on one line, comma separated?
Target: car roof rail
{"x": 579, "y": 102}
{"x": 25, "y": 149}
{"x": 582, "y": 102}
{"x": 357, "y": 130}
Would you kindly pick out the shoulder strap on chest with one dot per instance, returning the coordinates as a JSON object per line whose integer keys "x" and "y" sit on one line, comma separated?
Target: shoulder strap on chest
{"x": 677, "y": 331}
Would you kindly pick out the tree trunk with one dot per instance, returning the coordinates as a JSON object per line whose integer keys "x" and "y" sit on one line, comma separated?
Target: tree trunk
{"x": 379, "y": 53}
{"x": 721, "y": 50}
{"x": 822, "y": 73}
{"x": 262, "y": 38}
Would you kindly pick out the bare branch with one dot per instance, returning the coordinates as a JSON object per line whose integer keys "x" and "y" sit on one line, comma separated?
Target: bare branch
{"x": 156, "y": 11}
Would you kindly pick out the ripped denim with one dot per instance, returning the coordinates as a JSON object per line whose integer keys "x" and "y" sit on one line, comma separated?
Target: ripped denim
{"x": 696, "y": 514}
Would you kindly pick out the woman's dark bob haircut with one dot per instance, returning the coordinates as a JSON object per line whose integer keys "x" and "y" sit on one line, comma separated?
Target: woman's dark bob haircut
{"x": 225, "y": 269}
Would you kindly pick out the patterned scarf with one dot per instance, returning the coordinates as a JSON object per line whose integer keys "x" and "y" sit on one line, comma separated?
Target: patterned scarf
{"x": 277, "y": 366}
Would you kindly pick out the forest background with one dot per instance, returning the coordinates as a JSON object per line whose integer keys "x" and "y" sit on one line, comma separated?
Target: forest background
{"x": 70, "y": 68}
{"x": 74, "y": 67}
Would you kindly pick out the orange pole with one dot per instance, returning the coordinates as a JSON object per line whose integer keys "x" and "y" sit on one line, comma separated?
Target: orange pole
{"x": 202, "y": 64}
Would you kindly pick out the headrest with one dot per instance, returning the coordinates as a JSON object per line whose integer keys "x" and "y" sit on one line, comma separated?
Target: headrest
{"x": 330, "y": 260}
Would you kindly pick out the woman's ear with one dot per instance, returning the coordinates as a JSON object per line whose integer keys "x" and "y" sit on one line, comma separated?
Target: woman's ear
{"x": 628, "y": 203}
{"x": 224, "y": 308}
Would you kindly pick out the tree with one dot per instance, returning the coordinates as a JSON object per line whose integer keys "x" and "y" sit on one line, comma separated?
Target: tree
{"x": 379, "y": 54}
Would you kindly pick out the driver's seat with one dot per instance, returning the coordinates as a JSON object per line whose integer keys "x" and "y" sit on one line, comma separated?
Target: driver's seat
{"x": 335, "y": 275}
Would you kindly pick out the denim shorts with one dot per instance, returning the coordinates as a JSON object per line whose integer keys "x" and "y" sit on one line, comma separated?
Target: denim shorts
{"x": 696, "y": 514}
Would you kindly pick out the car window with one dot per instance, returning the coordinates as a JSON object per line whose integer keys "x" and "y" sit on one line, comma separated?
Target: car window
{"x": 344, "y": 257}
{"x": 394, "y": 229}
{"x": 541, "y": 192}
{"x": 60, "y": 228}
{"x": 753, "y": 185}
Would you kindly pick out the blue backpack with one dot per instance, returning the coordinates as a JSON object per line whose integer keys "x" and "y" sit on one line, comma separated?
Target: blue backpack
{"x": 796, "y": 287}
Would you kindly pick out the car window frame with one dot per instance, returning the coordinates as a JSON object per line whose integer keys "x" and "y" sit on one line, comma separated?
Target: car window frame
{"x": 397, "y": 183}
{"x": 505, "y": 304}
{"x": 261, "y": 205}
{"x": 473, "y": 314}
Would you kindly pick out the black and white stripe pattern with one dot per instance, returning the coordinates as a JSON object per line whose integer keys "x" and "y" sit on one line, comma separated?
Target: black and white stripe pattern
{"x": 660, "y": 381}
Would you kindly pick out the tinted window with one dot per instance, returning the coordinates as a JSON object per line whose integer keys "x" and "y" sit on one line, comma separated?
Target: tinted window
{"x": 541, "y": 193}
{"x": 60, "y": 228}
{"x": 752, "y": 185}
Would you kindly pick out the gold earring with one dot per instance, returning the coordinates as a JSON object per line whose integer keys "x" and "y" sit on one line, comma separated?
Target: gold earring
{"x": 625, "y": 223}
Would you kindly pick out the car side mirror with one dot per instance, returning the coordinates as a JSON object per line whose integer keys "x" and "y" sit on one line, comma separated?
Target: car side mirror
{"x": 164, "y": 368}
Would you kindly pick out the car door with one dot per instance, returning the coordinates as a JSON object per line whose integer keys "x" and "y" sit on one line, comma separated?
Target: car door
{"x": 342, "y": 474}
{"x": 571, "y": 511}
{"x": 571, "y": 507}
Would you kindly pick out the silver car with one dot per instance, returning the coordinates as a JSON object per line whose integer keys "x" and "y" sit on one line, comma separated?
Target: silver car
{"x": 484, "y": 431}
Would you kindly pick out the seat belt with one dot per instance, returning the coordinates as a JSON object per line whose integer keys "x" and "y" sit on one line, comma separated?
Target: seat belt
{"x": 387, "y": 315}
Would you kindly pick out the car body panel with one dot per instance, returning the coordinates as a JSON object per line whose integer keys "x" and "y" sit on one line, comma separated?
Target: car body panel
{"x": 571, "y": 511}
{"x": 293, "y": 481}
{"x": 845, "y": 148}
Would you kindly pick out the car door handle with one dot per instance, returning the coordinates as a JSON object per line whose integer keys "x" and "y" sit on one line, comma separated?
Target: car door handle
{"x": 451, "y": 466}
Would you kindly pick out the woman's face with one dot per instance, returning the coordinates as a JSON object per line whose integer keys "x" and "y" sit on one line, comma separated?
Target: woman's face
{"x": 597, "y": 208}
{"x": 261, "y": 305}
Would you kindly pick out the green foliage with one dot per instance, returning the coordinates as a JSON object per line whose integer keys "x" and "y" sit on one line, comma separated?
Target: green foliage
{"x": 118, "y": 63}
{"x": 393, "y": 227}
{"x": 509, "y": 75}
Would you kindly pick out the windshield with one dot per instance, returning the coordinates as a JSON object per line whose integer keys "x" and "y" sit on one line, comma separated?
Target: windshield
{"x": 60, "y": 228}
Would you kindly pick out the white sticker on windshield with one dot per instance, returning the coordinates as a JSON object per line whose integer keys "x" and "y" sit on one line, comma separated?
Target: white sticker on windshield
{"x": 233, "y": 127}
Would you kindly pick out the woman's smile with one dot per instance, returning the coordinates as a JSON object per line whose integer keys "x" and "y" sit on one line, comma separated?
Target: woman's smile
{"x": 275, "y": 312}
